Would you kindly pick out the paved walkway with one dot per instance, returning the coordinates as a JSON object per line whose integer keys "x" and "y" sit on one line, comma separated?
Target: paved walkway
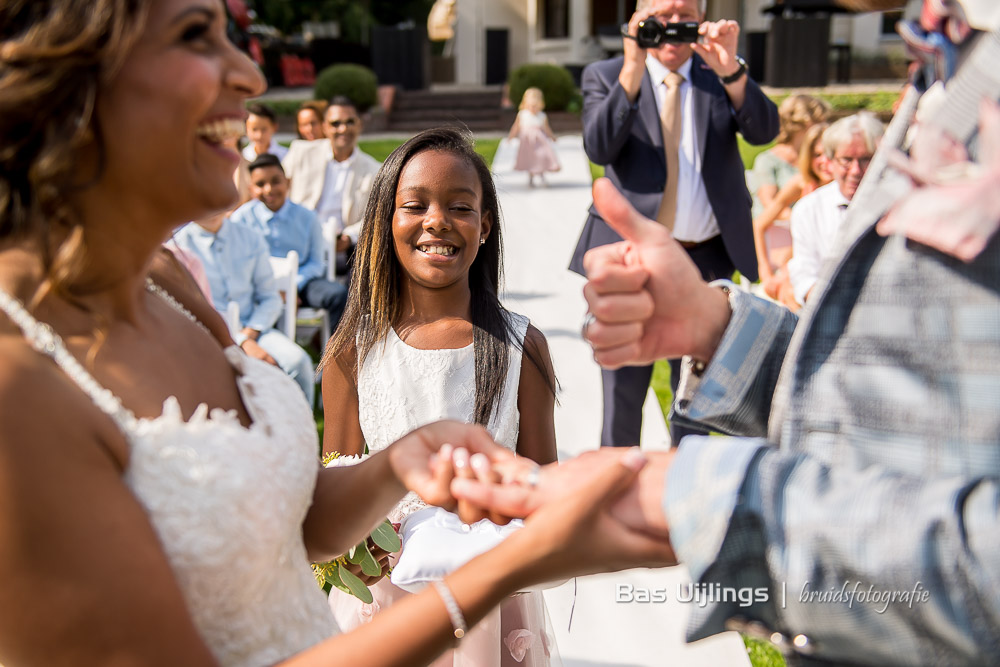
{"x": 540, "y": 227}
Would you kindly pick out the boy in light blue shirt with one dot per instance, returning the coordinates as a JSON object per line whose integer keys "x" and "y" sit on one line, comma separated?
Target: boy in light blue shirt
{"x": 287, "y": 226}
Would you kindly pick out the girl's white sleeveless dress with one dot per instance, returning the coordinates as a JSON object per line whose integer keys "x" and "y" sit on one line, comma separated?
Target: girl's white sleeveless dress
{"x": 227, "y": 502}
{"x": 399, "y": 389}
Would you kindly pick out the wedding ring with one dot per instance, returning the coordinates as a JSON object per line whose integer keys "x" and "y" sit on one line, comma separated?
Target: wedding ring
{"x": 533, "y": 477}
{"x": 587, "y": 321}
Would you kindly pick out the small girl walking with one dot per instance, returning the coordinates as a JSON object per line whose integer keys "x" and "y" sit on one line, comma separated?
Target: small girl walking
{"x": 535, "y": 154}
{"x": 424, "y": 338}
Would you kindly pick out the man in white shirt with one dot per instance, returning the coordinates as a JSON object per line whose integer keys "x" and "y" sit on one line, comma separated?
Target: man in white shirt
{"x": 663, "y": 121}
{"x": 816, "y": 219}
{"x": 332, "y": 176}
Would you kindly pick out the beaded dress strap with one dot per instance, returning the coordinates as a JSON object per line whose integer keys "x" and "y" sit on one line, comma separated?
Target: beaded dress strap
{"x": 46, "y": 341}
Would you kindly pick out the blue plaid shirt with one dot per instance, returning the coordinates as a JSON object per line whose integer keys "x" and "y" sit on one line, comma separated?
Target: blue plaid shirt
{"x": 863, "y": 493}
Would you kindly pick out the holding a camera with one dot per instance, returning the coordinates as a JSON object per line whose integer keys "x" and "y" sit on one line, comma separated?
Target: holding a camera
{"x": 662, "y": 119}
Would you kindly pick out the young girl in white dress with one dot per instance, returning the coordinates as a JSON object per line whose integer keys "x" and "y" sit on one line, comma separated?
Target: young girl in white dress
{"x": 535, "y": 153}
{"x": 424, "y": 338}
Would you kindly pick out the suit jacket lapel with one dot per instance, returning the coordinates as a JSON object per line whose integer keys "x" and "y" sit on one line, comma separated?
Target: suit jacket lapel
{"x": 347, "y": 197}
{"x": 650, "y": 116}
{"x": 701, "y": 89}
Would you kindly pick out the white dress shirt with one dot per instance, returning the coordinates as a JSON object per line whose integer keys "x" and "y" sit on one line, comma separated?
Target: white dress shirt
{"x": 250, "y": 153}
{"x": 330, "y": 208}
{"x": 695, "y": 220}
{"x": 816, "y": 221}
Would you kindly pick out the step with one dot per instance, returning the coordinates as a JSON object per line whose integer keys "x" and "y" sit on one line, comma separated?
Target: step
{"x": 418, "y": 114}
{"x": 416, "y": 126}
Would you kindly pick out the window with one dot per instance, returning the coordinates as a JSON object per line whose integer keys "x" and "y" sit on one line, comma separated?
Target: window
{"x": 555, "y": 15}
{"x": 889, "y": 20}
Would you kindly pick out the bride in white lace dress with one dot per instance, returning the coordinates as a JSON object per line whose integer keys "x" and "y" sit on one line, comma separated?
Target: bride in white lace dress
{"x": 160, "y": 496}
{"x": 424, "y": 338}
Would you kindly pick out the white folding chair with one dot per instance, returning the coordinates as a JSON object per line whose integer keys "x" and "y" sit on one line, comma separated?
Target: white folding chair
{"x": 233, "y": 318}
{"x": 286, "y": 270}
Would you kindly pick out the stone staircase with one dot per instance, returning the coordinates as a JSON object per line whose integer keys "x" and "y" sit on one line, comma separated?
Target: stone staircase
{"x": 478, "y": 110}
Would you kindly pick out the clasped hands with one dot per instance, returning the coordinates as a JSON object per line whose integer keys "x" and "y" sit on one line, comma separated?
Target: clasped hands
{"x": 596, "y": 512}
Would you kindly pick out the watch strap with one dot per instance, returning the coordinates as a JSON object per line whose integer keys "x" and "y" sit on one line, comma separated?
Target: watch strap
{"x": 735, "y": 76}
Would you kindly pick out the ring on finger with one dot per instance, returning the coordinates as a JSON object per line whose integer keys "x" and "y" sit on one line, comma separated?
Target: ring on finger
{"x": 587, "y": 321}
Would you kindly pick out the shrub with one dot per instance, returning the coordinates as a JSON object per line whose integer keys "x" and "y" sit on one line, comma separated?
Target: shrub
{"x": 555, "y": 81}
{"x": 354, "y": 81}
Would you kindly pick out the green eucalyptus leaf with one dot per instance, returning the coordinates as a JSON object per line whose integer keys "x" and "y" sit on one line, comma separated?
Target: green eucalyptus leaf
{"x": 355, "y": 586}
{"x": 370, "y": 566}
{"x": 385, "y": 537}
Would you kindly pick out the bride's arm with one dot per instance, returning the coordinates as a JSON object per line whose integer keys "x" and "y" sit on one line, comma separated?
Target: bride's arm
{"x": 350, "y": 501}
{"x": 572, "y": 536}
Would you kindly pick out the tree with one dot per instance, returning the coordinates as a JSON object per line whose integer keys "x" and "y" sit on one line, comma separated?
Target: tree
{"x": 355, "y": 17}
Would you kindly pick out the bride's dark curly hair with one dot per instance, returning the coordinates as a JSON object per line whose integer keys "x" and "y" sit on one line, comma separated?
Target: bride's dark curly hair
{"x": 55, "y": 58}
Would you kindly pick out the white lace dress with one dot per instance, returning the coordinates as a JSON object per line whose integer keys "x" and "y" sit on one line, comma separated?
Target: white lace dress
{"x": 227, "y": 503}
{"x": 399, "y": 389}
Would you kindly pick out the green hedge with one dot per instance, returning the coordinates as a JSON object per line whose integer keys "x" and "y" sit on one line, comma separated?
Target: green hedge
{"x": 556, "y": 83}
{"x": 354, "y": 81}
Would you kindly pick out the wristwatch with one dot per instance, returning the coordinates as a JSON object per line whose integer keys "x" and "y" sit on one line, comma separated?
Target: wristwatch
{"x": 735, "y": 76}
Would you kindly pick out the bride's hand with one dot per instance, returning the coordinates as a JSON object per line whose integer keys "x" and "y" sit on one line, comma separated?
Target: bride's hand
{"x": 422, "y": 459}
{"x": 578, "y": 531}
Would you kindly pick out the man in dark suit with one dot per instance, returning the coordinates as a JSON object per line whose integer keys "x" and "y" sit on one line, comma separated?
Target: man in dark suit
{"x": 663, "y": 122}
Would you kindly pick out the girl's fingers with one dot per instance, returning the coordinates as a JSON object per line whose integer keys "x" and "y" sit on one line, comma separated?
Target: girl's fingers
{"x": 467, "y": 512}
{"x": 487, "y": 475}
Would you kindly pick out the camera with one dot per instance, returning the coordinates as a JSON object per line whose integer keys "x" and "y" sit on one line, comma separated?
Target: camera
{"x": 651, "y": 33}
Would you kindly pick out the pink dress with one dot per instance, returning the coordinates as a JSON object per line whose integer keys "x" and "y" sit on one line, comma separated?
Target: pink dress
{"x": 536, "y": 154}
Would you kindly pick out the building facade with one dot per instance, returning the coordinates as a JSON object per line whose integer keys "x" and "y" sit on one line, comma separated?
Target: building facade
{"x": 576, "y": 32}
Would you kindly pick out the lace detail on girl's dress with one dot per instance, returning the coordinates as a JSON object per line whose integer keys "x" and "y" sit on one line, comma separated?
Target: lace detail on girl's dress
{"x": 227, "y": 503}
{"x": 401, "y": 387}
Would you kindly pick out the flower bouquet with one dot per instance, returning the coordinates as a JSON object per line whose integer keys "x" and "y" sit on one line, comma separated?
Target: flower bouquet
{"x": 336, "y": 573}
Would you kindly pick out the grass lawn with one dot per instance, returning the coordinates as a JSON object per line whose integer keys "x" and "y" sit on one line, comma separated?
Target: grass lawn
{"x": 380, "y": 148}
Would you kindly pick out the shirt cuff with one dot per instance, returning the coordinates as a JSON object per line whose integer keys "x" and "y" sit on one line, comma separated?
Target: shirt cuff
{"x": 718, "y": 388}
{"x": 702, "y": 490}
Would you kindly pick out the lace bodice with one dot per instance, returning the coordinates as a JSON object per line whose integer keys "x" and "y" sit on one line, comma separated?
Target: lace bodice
{"x": 401, "y": 388}
{"x": 227, "y": 503}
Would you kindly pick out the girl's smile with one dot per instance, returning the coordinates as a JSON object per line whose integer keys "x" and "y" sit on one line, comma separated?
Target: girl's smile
{"x": 438, "y": 222}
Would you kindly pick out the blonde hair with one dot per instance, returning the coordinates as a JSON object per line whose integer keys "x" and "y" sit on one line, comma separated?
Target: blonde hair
{"x": 797, "y": 113}
{"x": 813, "y": 136}
{"x": 533, "y": 91}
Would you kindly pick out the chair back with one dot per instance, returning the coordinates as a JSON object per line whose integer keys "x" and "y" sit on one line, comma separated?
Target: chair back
{"x": 286, "y": 270}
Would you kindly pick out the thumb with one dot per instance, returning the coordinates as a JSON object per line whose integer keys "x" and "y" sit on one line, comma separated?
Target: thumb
{"x": 621, "y": 216}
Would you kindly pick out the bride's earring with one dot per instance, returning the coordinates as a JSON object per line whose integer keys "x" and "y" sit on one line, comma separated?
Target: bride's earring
{"x": 482, "y": 240}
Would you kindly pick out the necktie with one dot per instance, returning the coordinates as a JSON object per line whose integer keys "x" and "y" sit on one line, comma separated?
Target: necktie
{"x": 670, "y": 119}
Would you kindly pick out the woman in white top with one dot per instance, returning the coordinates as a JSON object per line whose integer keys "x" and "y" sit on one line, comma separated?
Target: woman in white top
{"x": 160, "y": 495}
{"x": 424, "y": 338}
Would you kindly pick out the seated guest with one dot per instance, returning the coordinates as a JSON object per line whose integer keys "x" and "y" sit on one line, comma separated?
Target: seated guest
{"x": 333, "y": 177}
{"x": 236, "y": 264}
{"x": 777, "y": 165}
{"x": 261, "y": 126}
{"x": 287, "y": 226}
{"x": 816, "y": 220}
{"x": 309, "y": 120}
{"x": 773, "y": 238}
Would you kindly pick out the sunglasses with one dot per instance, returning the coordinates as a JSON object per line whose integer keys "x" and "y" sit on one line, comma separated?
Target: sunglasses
{"x": 337, "y": 124}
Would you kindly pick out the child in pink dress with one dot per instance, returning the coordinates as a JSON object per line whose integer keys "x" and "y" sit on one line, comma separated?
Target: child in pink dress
{"x": 536, "y": 154}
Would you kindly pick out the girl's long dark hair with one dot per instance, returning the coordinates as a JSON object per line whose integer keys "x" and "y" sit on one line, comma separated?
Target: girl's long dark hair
{"x": 373, "y": 301}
